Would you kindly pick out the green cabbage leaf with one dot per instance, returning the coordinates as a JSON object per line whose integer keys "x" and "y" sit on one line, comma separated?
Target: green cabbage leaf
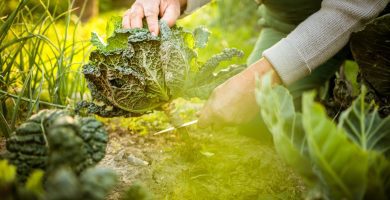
{"x": 134, "y": 72}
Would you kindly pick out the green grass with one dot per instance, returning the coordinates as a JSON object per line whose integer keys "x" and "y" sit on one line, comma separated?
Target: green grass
{"x": 224, "y": 165}
{"x": 208, "y": 164}
{"x": 40, "y": 61}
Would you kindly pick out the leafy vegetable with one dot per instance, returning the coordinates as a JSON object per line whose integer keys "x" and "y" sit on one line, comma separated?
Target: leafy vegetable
{"x": 61, "y": 184}
{"x": 201, "y": 36}
{"x": 135, "y": 72}
{"x": 286, "y": 126}
{"x": 10, "y": 189}
{"x": 344, "y": 161}
{"x": 93, "y": 184}
{"x": 53, "y": 152}
{"x": 365, "y": 127}
{"x": 54, "y": 138}
{"x": 340, "y": 164}
{"x": 64, "y": 184}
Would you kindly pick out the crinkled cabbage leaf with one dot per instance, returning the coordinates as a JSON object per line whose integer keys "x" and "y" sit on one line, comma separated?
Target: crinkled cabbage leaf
{"x": 135, "y": 72}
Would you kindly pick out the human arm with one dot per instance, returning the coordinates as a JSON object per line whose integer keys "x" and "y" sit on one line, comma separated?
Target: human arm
{"x": 320, "y": 36}
{"x": 313, "y": 42}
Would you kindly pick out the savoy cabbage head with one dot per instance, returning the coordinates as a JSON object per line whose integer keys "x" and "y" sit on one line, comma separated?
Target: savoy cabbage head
{"x": 135, "y": 72}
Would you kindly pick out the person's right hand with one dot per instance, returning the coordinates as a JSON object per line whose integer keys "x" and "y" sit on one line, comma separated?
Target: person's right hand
{"x": 168, "y": 10}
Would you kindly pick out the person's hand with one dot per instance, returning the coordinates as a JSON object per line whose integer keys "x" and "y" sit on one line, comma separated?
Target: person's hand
{"x": 234, "y": 102}
{"x": 168, "y": 10}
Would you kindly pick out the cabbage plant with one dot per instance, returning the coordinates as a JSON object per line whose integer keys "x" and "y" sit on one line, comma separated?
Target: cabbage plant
{"x": 134, "y": 72}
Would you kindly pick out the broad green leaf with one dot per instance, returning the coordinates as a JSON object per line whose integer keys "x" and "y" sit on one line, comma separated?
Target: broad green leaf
{"x": 97, "y": 41}
{"x": 372, "y": 133}
{"x": 201, "y": 36}
{"x": 203, "y": 90}
{"x": 115, "y": 23}
{"x": 119, "y": 42}
{"x": 278, "y": 112}
{"x": 365, "y": 127}
{"x": 340, "y": 164}
{"x": 189, "y": 39}
{"x": 176, "y": 58}
{"x": 206, "y": 71}
{"x": 378, "y": 177}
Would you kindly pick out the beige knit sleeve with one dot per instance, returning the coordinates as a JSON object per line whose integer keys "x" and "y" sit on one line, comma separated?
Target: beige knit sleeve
{"x": 320, "y": 36}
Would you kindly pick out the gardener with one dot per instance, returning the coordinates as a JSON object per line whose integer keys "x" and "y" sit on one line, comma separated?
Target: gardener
{"x": 301, "y": 44}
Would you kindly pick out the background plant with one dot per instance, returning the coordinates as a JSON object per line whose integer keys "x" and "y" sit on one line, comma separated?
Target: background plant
{"x": 40, "y": 58}
{"x": 345, "y": 160}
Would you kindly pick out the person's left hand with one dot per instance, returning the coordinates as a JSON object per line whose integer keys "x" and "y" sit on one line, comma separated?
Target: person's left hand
{"x": 234, "y": 102}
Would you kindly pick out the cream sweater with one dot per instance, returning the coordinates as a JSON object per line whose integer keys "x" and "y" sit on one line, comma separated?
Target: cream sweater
{"x": 318, "y": 38}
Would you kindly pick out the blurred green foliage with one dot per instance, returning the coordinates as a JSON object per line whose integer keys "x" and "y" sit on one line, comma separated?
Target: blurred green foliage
{"x": 40, "y": 54}
{"x": 60, "y": 6}
{"x": 228, "y": 28}
{"x": 110, "y": 5}
{"x": 10, "y": 189}
{"x": 232, "y": 14}
{"x": 53, "y": 6}
{"x": 7, "y": 172}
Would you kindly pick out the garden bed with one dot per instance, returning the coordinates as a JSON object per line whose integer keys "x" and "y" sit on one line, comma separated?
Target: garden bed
{"x": 206, "y": 165}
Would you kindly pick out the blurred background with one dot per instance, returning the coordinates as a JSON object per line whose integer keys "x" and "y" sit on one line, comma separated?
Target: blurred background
{"x": 44, "y": 43}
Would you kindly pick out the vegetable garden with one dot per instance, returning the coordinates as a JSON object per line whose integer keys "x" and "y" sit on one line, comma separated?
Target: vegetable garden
{"x": 81, "y": 99}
